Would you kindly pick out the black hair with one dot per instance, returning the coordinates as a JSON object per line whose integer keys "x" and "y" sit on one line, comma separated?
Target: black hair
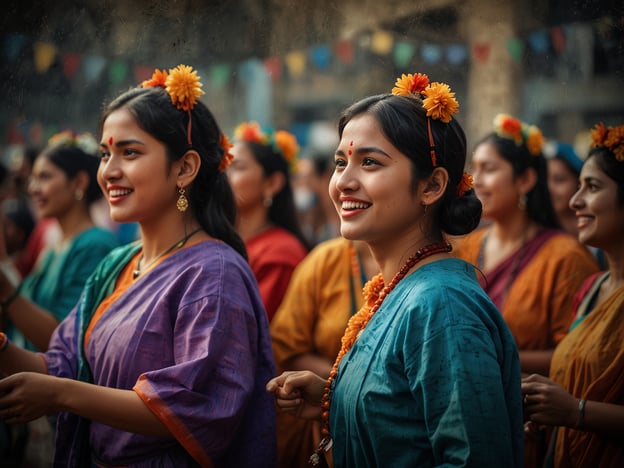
{"x": 611, "y": 166}
{"x": 72, "y": 160}
{"x": 539, "y": 204}
{"x": 403, "y": 121}
{"x": 210, "y": 196}
{"x": 282, "y": 211}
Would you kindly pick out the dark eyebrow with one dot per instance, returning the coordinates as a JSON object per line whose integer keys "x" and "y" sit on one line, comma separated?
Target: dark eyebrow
{"x": 123, "y": 143}
{"x": 366, "y": 150}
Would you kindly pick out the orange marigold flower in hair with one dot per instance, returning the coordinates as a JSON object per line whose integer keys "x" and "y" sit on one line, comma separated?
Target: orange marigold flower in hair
{"x": 440, "y": 102}
{"x": 615, "y": 141}
{"x": 598, "y": 134}
{"x": 535, "y": 140}
{"x": 251, "y": 132}
{"x": 411, "y": 84}
{"x": 465, "y": 184}
{"x": 287, "y": 143}
{"x": 508, "y": 127}
{"x": 227, "y": 157}
{"x": 184, "y": 87}
{"x": 159, "y": 77}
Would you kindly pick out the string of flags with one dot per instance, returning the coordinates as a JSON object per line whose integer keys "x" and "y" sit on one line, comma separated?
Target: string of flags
{"x": 293, "y": 64}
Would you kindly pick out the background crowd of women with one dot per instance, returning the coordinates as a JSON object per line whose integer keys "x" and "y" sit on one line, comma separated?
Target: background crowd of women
{"x": 541, "y": 227}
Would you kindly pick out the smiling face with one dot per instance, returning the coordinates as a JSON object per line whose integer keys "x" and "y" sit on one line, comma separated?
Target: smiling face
{"x": 134, "y": 173}
{"x": 371, "y": 186}
{"x": 52, "y": 192}
{"x": 600, "y": 220}
{"x": 494, "y": 182}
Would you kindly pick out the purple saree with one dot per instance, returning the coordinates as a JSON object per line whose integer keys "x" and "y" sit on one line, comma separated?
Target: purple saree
{"x": 191, "y": 338}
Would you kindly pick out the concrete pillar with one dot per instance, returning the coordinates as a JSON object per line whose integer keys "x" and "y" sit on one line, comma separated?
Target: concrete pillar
{"x": 493, "y": 83}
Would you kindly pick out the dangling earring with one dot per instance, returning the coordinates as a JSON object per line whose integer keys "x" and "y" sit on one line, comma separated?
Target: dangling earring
{"x": 425, "y": 209}
{"x": 268, "y": 201}
{"x": 79, "y": 194}
{"x": 522, "y": 201}
{"x": 182, "y": 203}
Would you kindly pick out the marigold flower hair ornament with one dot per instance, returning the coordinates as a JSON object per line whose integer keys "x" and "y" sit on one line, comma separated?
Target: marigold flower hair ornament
{"x": 283, "y": 142}
{"x": 520, "y": 132}
{"x": 83, "y": 141}
{"x": 184, "y": 88}
{"x": 439, "y": 102}
{"x": 611, "y": 138}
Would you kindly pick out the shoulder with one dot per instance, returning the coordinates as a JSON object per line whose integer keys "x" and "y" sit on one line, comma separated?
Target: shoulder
{"x": 467, "y": 246}
{"x": 96, "y": 237}
{"x": 562, "y": 247}
{"x": 276, "y": 245}
{"x": 330, "y": 251}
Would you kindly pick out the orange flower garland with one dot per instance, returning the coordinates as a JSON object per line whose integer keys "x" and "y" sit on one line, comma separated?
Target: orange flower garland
{"x": 465, "y": 184}
{"x": 511, "y": 128}
{"x": 611, "y": 138}
{"x": 285, "y": 143}
{"x": 374, "y": 294}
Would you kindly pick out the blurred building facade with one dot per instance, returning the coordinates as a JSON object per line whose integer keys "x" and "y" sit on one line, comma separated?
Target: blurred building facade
{"x": 289, "y": 63}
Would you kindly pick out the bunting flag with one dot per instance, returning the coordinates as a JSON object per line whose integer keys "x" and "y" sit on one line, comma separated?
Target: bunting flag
{"x": 344, "y": 51}
{"x": 13, "y": 46}
{"x": 273, "y": 67}
{"x": 515, "y": 47}
{"x": 219, "y": 75}
{"x": 431, "y": 53}
{"x": 71, "y": 62}
{"x": 117, "y": 72}
{"x": 539, "y": 42}
{"x": 382, "y": 42}
{"x": 45, "y": 53}
{"x": 93, "y": 66}
{"x": 321, "y": 56}
{"x": 456, "y": 54}
{"x": 296, "y": 63}
{"x": 142, "y": 73}
{"x": 481, "y": 51}
{"x": 403, "y": 53}
{"x": 558, "y": 40}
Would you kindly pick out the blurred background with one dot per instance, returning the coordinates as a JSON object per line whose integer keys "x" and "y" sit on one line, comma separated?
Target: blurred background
{"x": 296, "y": 63}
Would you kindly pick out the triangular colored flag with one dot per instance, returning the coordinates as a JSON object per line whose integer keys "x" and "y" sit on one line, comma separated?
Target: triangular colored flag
{"x": 117, "y": 72}
{"x": 345, "y": 51}
{"x": 558, "y": 39}
{"x": 382, "y": 42}
{"x": 515, "y": 47}
{"x": 431, "y": 53}
{"x": 45, "y": 53}
{"x": 456, "y": 54}
{"x": 273, "y": 67}
{"x": 93, "y": 66}
{"x": 296, "y": 63}
{"x": 219, "y": 75}
{"x": 13, "y": 46}
{"x": 481, "y": 51}
{"x": 71, "y": 62}
{"x": 403, "y": 53}
{"x": 142, "y": 73}
{"x": 321, "y": 56}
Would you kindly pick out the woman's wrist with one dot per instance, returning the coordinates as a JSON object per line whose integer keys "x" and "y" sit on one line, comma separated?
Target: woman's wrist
{"x": 580, "y": 420}
{"x": 4, "y": 342}
{"x": 5, "y": 302}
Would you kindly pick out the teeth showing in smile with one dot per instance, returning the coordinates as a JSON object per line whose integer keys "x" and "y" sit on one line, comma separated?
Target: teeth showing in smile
{"x": 352, "y": 205}
{"x": 119, "y": 193}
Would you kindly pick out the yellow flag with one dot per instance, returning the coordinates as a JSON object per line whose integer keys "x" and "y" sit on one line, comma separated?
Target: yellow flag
{"x": 45, "y": 53}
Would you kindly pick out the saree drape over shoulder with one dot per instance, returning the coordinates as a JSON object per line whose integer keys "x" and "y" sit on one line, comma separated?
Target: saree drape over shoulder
{"x": 190, "y": 337}
{"x": 537, "y": 304}
{"x": 589, "y": 363}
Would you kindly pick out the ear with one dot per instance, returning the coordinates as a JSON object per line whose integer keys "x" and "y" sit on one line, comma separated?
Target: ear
{"x": 187, "y": 168}
{"x": 527, "y": 180}
{"x": 81, "y": 181}
{"x": 274, "y": 183}
{"x": 433, "y": 187}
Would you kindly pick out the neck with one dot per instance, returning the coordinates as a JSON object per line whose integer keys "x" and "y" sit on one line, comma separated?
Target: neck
{"x": 253, "y": 223}
{"x": 153, "y": 247}
{"x": 510, "y": 231}
{"x": 615, "y": 261}
{"x": 75, "y": 221}
{"x": 366, "y": 257}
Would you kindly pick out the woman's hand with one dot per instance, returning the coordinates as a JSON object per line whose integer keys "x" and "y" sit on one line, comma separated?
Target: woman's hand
{"x": 26, "y": 396}
{"x": 298, "y": 392}
{"x": 546, "y": 402}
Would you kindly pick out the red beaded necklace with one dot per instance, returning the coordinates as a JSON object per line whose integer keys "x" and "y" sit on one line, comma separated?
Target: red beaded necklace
{"x": 374, "y": 294}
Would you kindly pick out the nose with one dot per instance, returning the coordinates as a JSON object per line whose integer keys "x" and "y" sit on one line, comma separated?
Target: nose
{"x": 576, "y": 201}
{"x": 346, "y": 179}
{"x": 109, "y": 169}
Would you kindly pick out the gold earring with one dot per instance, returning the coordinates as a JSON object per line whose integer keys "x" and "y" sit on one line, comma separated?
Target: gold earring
{"x": 522, "y": 201}
{"x": 182, "y": 203}
{"x": 79, "y": 195}
{"x": 268, "y": 201}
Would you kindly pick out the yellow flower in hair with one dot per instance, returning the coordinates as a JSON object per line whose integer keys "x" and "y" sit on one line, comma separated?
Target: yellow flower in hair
{"x": 411, "y": 84}
{"x": 159, "y": 77}
{"x": 287, "y": 143}
{"x": 184, "y": 87}
{"x": 440, "y": 102}
{"x": 535, "y": 140}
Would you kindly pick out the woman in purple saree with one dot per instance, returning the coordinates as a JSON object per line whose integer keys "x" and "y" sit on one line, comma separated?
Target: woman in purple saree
{"x": 164, "y": 360}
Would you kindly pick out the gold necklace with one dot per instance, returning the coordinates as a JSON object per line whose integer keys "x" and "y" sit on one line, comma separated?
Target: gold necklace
{"x": 177, "y": 245}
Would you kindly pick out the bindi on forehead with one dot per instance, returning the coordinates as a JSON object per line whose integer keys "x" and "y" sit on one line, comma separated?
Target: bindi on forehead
{"x": 350, "y": 146}
{"x": 110, "y": 141}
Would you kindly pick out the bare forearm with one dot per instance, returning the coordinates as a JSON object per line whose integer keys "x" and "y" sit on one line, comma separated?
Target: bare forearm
{"x": 122, "y": 409}
{"x": 35, "y": 323}
{"x": 320, "y": 365}
{"x": 536, "y": 362}
{"x": 15, "y": 359}
{"x": 604, "y": 418}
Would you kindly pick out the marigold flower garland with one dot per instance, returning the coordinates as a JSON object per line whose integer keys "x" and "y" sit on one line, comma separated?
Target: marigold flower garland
{"x": 86, "y": 142}
{"x": 184, "y": 88}
{"x": 374, "y": 294}
{"x": 284, "y": 143}
{"x": 511, "y": 128}
{"x": 611, "y": 138}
